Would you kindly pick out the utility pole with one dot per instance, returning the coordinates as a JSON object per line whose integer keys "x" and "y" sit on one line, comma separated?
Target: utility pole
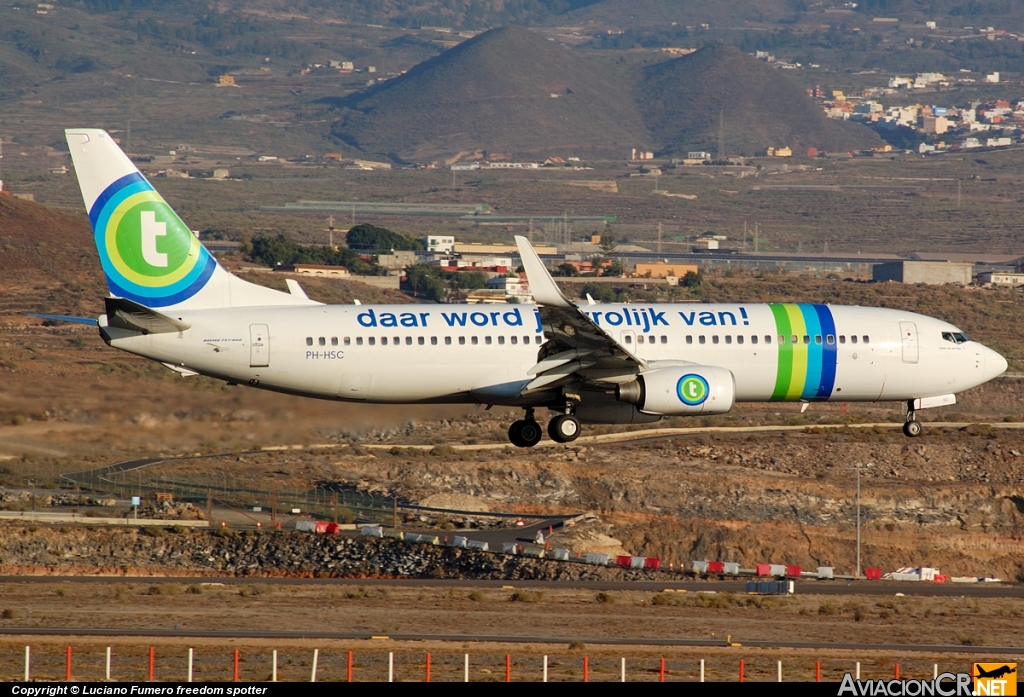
{"x": 129, "y": 138}
{"x": 659, "y": 238}
{"x": 721, "y": 134}
{"x": 757, "y": 231}
{"x": 330, "y": 231}
{"x": 744, "y": 235}
{"x": 858, "y": 467}
{"x": 1, "y": 164}
{"x": 958, "y": 194}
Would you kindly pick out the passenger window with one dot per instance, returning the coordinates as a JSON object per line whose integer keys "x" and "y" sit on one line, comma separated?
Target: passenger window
{"x": 321, "y": 341}
{"x": 640, "y": 339}
{"x": 487, "y": 340}
{"x": 689, "y": 339}
{"x": 501, "y": 340}
{"x": 359, "y": 341}
{"x": 629, "y": 339}
{"x": 448, "y": 341}
{"x": 348, "y": 341}
{"x": 817, "y": 339}
{"x": 474, "y": 340}
{"x": 767, "y": 338}
{"x": 865, "y": 339}
{"x": 728, "y": 338}
{"x": 371, "y": 340}
{"x": 526, "y": 339}
{"x": 433, "y": 341}
{"x": 830, "y": 339}
{"x": 398, "y": 341}
{"x": 420, "y": 340}
{"x": 714, "y": 339}
{"x": 664, "y": 339}
{"x": 462, "y": 340}
{"x": 309, "y": 341}
{"x": 739, "y": 339}
{"x": 782, "y": 339}
{"x": 842, "y": 338}
{"x": 538, "y": 339}
{"x": 514, "y": 340}
{"x": 383, "y": 341}
{"x": 853, "y": 338}
{"x": 753, "y": 339}
{"x": 701, "y": 339}
{"x": 334, "y": 341}
{"x": 408, "y": 341}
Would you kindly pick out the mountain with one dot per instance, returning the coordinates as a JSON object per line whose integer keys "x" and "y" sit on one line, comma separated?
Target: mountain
{"x": 684, "y": 99}
{"x": 507, "y": 91}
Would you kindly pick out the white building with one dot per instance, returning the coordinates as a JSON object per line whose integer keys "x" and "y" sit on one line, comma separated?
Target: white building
{"x": 442, "y": 244}
{"x": 516, "y": 288}
{"x": 1001, "y": 279}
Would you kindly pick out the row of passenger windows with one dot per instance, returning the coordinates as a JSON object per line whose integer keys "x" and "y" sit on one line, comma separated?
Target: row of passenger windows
{"x": 829, "y": 339}
{"x": 420, "y": 340}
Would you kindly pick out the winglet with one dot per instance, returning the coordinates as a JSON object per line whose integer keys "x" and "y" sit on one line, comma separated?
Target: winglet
{"x": 542, "y": 287}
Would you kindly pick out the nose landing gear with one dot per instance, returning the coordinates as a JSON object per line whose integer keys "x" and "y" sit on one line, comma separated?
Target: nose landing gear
{"x": 912, "y": 427}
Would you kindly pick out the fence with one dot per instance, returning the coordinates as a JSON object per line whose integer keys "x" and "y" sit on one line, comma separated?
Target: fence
{"x": 173, "y": 664}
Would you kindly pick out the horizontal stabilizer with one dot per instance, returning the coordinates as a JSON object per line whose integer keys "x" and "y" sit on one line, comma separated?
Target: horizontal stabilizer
{"x": 126, "y": 314}
{"x": 66, "y": 318}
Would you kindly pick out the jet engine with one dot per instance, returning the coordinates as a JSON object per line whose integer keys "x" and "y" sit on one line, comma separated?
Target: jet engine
{"x": 681, "y": 391}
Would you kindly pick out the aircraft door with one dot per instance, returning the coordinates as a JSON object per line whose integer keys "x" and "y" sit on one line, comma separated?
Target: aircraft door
{"x": 911, "y": 350}
{"x": 628, "y": 339}
{"x": 259, "y": 346}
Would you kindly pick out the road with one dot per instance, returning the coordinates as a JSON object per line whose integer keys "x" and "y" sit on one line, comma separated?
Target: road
{"x": 808, "y": 587}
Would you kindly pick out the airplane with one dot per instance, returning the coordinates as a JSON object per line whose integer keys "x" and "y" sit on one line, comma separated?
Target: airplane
{"x": 995, "y": 672}
{"x": 172, "y": 302}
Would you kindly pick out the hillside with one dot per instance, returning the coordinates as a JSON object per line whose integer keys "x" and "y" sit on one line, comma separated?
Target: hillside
{"x": 684, "y": 99}
{"x": 506, "y": 91}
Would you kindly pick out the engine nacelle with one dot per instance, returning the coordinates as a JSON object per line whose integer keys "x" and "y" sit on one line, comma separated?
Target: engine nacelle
{"x": 681, "y": 391}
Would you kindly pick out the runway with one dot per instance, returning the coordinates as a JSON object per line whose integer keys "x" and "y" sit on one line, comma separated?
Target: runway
{"x": 808, "y": 587}
{"x": 508, "y": 639}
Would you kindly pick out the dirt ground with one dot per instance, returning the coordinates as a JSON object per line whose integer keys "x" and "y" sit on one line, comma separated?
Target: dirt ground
{"x": 561, "y": 613}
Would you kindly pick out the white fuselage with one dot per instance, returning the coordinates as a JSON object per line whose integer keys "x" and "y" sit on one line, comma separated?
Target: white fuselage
{"x": 482, "y": 353}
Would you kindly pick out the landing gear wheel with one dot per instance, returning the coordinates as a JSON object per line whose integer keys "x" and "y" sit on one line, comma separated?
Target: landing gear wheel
{"x": 564, "y": 428}
{"x": 524, "y": 433}
{"x": 912, "y": 429}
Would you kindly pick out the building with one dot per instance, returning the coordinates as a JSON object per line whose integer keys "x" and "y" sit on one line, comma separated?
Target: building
{"x": 662, "y": 269}
{"x": 442, "y": 244}
{"x": 486, "y": 296}
{"x": 936, "y": 125}
{"x": 398, "y": 259}
{"x": 508, "y": 250}
{"x": 226, "y": 80}
{"x": 314, "y": 270}
{"x": 928, "y": 272}
{"x": 516, "y": 289}
{"x": 992, "y": 278}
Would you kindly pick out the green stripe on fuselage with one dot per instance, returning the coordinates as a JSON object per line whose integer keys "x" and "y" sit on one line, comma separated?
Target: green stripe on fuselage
{"x": 799, "y": 351}
{"x": 785, "y": 369}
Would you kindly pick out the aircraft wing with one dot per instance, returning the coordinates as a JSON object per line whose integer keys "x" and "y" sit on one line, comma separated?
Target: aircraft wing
{"x": 65, "y": 318}
{"x": 575, "y": 345}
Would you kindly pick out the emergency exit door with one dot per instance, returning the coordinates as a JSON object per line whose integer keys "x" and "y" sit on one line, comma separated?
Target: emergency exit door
{"x": 908, "y": 332}
{"x": 259, "y": 346}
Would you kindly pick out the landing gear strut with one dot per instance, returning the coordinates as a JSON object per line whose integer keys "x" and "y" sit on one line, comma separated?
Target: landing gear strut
{"x": 912, "y": 427}
{"x": 526, "y": 432}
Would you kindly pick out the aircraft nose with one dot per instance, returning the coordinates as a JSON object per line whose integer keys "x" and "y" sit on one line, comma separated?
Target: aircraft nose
{"x": 995, "y": 364}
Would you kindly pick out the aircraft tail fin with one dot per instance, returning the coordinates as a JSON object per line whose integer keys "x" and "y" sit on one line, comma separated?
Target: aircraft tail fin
{"x": 149, "y": 255}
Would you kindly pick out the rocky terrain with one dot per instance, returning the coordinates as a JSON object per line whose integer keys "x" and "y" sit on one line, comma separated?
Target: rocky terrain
{"x": 180, "y": 551}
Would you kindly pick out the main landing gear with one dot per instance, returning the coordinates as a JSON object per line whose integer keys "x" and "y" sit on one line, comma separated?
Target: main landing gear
{"x": 526, "y": 432}
{"x": 912, "y": 427}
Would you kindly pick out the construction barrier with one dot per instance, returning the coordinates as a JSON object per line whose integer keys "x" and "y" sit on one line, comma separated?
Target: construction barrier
{"x": 778, "y": 570}
{"x": 771, "y": 587}
{"x": 824, "y": 572}
{"x": 637, "y": 562}
{"x": 730, "y": 568}
{"x": 478, "y": 546}
{"x": 562, "y": 554}
{"x": 598, "y": 558}
{"x": 623, "y": 561}
{"x": 763, "y": 570}
{"x": 699, "y": 567}
{"x": 460, "y": 541}
{"x": 794, "y": 571}
{"x": 716, "y": 567}
{"x": 652, "y": 563}
{"x": 873, "y": 573}
{"x": 373, "y": 531}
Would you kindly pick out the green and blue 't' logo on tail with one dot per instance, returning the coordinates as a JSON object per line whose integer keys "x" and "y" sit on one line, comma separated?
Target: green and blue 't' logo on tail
{"x": 149, "y": 255}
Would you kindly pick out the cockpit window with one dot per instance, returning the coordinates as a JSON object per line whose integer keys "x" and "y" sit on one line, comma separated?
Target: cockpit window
{"x": 955, "y": 337}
